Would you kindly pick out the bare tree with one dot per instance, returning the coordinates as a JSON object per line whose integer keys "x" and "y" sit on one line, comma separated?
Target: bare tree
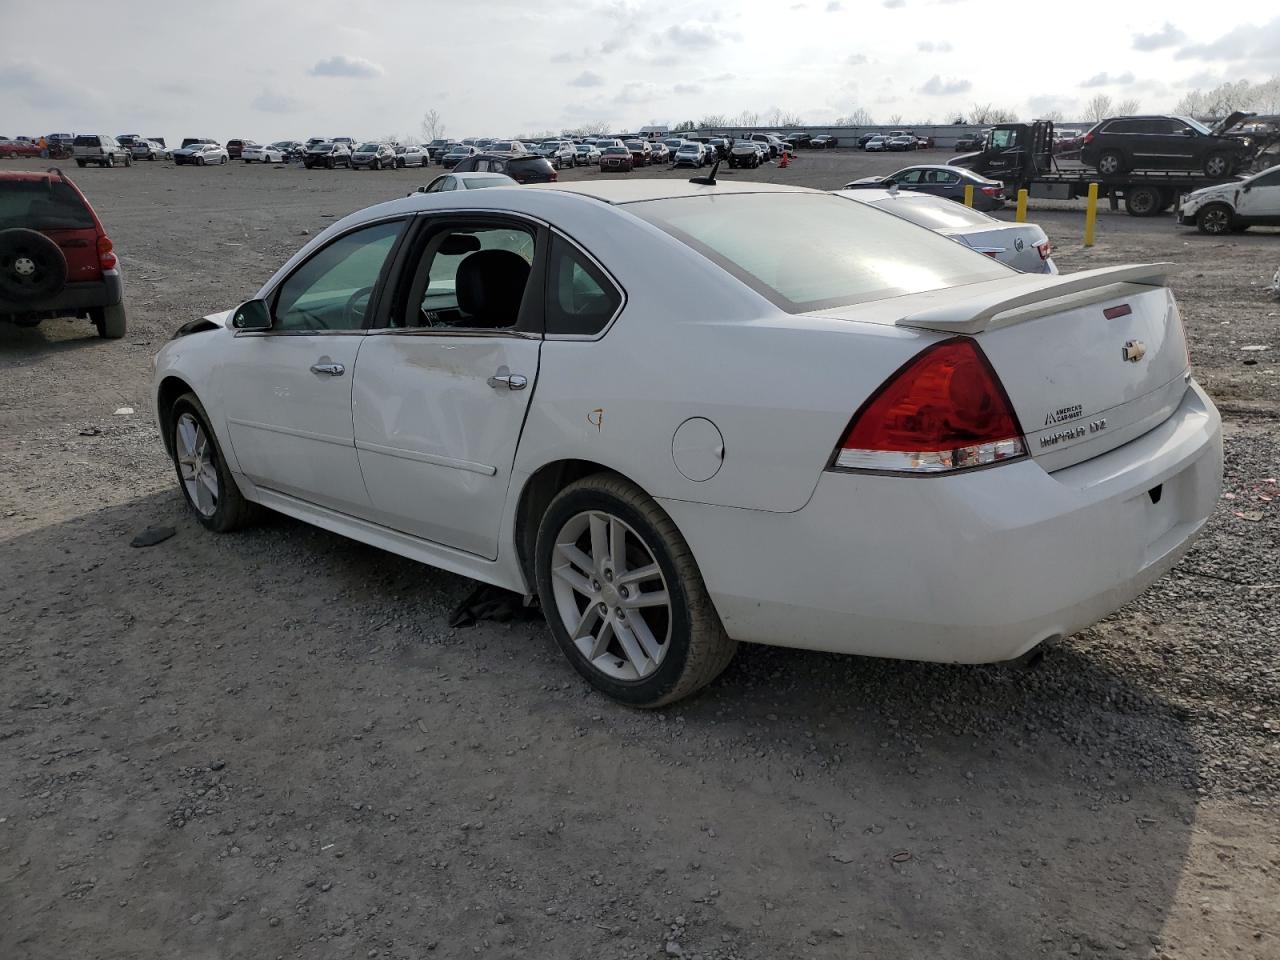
{"x": 592, "y": 128}
{"x": 684, "y": 126}
{"x": 860, "y": 117}
{"x": 1099, "y": 108}
{"x": 1053, "y": 116}
{"x": 432, "y": 125}
{"x": 895, "y": 120}
{"x": 713, "y": 121}
{"x": 748, "y": 118}
{"x": 985, "y": 113}
{"x": 1128, "y": 107}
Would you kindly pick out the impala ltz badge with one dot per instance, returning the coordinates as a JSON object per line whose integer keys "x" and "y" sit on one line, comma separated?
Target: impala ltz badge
{"x": 1134, "y": 350}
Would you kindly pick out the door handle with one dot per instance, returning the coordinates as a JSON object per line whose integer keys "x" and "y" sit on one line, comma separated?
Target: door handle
{"x": 512, "y": 381}
{"x": 329, "y": 369}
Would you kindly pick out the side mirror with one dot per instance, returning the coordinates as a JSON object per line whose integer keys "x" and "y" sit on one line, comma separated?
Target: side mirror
{"x": 1188, "y": 132}
{"x": 252, "y": 315}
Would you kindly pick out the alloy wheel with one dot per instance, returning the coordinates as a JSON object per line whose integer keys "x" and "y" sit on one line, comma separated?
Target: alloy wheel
{"x": 1216, "y": 220}
{"x": 611, "y": 596}
{"x": 194, "y": 454}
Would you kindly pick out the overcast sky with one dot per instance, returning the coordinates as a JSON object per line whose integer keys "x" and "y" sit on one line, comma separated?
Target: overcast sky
{"x": 277, "y": 69}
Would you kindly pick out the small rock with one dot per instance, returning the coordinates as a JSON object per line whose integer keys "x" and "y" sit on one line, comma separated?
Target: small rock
{"x": 274, "y": 921}
{"x": 674, "y": 949}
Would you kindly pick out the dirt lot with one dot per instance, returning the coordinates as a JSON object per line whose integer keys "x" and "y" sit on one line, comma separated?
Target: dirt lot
{"x": 273, "y": 745}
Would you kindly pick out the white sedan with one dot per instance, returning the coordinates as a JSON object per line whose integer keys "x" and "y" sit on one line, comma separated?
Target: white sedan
{"x": 468, "y": 181}
{"x": 262, "y": 153}
{"x": 201, "y": 154}
{"x": 865, "y": 439}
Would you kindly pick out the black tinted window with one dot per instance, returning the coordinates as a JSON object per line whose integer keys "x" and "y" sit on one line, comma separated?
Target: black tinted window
{"x": 87, "y": 141}
{"x": 580, "y": 299}
{"x": 41, "y": 204}
{"x": 1122, "y": 126}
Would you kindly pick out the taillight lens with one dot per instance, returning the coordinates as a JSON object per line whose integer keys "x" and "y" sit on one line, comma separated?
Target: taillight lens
{"x": 1045, "y": 249}
{"x": 106, "y": 259}
{"x": 945, "y": 410}
{"x": 1088, "y": 137}
{"x": 992, "y": 191}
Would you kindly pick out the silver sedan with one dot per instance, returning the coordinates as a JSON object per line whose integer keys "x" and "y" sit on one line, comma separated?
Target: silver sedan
{"x": 1023, "y": 246}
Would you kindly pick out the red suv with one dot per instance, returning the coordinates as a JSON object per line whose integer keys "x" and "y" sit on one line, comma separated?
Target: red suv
{"x": 56, "y": 259}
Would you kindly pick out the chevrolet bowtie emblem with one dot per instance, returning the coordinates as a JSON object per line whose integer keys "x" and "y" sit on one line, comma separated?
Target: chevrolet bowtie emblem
{"x": 1134, "y": 350}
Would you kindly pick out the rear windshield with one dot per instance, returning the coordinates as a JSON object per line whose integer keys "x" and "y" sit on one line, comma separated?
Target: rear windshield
{"x": 935, "y": 213}
{"x": 813, "y": 251}
{"x": 87, "y": 141}
{"x": 44, "y": 204}
{"x": 538, "y": 162}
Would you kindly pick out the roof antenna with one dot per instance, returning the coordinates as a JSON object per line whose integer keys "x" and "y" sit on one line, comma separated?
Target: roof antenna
{"x": 710, "y": 179}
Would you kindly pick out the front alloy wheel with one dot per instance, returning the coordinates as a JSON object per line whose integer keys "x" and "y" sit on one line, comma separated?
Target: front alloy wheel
{"x": 623, "y": 595}
{"x": 1214, "y": 220}
{"x": 203, "y": 476}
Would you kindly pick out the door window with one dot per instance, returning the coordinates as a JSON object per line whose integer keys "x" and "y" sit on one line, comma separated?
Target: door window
{"x": 580, "y": 299}
{"x": 332, "y": 290}
{"x": 1002, "y": 139}
{"x": 470, "y": 277}
{"x": 907, "y": 176}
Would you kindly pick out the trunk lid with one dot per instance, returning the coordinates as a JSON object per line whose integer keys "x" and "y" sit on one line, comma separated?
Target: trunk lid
{"x": 1090, "y": 361}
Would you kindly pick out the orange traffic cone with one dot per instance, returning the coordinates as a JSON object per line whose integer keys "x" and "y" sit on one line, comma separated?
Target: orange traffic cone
{"x": 785, "y": 161}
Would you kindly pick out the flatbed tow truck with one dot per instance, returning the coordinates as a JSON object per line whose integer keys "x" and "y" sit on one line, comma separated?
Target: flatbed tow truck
{"x": 1022, "y": 155}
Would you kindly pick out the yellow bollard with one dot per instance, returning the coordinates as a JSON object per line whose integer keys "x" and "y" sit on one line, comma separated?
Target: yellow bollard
{"x": 1022, "y": 206}
{"x": 1091, "y": 215}
{"x": 968, "y": 194}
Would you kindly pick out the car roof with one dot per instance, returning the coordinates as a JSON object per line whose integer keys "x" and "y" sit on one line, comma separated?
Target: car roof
{"x": 25, "y": 176}
{"x": 653, "y": 188}
{"x": 478, "y": 175}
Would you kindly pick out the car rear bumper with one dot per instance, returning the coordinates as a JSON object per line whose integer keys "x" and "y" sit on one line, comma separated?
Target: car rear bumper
{"x": 977, "y": 567}
{"x": 73, "y": 299}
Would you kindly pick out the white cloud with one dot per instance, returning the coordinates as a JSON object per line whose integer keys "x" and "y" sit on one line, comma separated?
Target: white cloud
{"x": 587, "y": 78}
{"x": 856, "y": 59}
{"x": 928, "y": 46}
{"x": 269, "y": 102}
{"x": 344, "y": 66}
{"x": 1245, "y": 42}
{"x": 834, "y": 6}
{"x": 935, "y": 86}
{"x": 685, "y": 89}
{"x": 1107, "y": 80}
{"x": 895, "y": 4}
{"x": 1166, "y": 36}
{"x": 696, "y": 35}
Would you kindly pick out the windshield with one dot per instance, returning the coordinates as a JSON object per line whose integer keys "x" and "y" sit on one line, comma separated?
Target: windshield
{"x": 459, "y": 151}
{"x": 1194, "y": 124}
{"x": 479, "y": 183}
{"x": 616, "y": 150}
{"x": 813, "y": 251}
{"x": 322, "y": 148}
{"x": 935, "y": 213}
{"x": 690, "y": 148}
{"x": 367, "y": 148}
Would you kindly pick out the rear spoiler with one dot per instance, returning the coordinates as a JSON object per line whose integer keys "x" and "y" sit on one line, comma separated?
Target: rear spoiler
{"x": 1035, "y": 295}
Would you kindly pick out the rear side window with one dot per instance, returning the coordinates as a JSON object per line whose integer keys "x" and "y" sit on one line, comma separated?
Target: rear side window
{"x": 1123, "y": 126}
{"x": 813, "y": 251}
{"x": 42, "y": 204}
{"x": 580, "y": 299}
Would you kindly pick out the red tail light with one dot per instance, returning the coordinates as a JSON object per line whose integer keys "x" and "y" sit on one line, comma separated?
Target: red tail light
{"x": 945, "y": 410}
{"x": 554, "y": 176}
{"x": 992, "y": 191}
{"x": 106, "y": 259}
{"x": 1088, "y": 138}
{"x": 1045, "y": 249}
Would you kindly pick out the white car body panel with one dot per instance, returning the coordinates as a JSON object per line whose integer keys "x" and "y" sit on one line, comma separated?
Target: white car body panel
{"x": 975, "y": 566}
{"x": 262, "y": 153}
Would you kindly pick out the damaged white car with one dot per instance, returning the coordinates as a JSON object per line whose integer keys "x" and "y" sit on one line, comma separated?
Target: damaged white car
{"x": 860, "y": 436}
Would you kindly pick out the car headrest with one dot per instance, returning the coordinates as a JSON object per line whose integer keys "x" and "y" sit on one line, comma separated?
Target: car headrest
{"x": 456, "y": 244}
{"x": 490, "y": 285}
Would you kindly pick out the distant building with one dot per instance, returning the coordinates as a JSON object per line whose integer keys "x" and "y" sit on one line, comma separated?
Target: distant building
{"x": 655, "y": 131}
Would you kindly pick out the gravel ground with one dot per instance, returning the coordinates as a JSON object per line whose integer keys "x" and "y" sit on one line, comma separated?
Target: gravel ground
{"x": 272, "y": 744}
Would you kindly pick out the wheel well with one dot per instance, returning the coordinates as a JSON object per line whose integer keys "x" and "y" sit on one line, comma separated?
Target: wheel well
{"x": 539, "y": 490}
{"x": 171, "y": 388}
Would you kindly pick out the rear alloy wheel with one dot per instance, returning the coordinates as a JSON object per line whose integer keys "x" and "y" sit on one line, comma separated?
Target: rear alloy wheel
{"x": 1214, "y": 219}
{"x": 1143, "y": 201}
{"x": 205, "y": 481}
{"x": 623, "y": 596}
{"x": 200, "y": 161}
{"x": 1217, "y": 165}
{"x": 221, "y": 161}
{"x": 111, "y": 160}
{"x": 1111, "y": 163}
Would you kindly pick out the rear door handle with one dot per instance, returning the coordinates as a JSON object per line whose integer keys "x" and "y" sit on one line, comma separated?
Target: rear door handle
{"x": 329, "y": 369}
{"x": 512, "y": 381}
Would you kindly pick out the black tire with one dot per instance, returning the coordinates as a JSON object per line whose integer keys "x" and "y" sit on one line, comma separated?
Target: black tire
{"x": 128, "y": 159}
{"x": 81, "y": 163}
{"x": 330, "y": 164}
{"x": 110, "y": 160}
{"x": 110, "y": 321}
{"x": 233, "y": 511}
{"x": 200, "y": 161}
{"x": 698, "y": 648}
{"x": 32, "y": 267}
{"x": 1217, "y": 165}
{"x": 1112, "y": 163}
{"x": 1143, "y": 201}
{"x": 222, "y": 160}
{"x": 1215, "y": 219}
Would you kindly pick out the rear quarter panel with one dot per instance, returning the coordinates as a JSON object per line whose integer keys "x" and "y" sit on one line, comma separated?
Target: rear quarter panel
{"x": 781, "y": 389}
